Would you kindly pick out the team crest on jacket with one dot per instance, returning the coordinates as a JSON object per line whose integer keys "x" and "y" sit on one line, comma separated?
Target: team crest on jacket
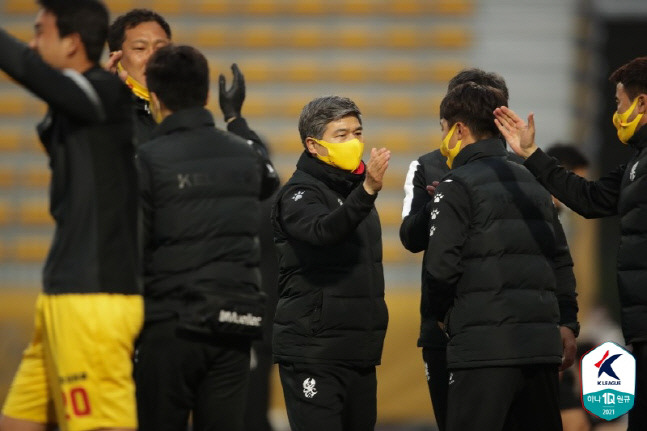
{"x": 309, "y": 389}
{"x": 632, "y": 173}
{"x": 298, "y": 195}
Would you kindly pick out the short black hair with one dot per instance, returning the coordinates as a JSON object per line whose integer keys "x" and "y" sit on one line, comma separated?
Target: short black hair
{"x": 480, "y": 77}
{"x": 473, "y": 105}
{"x": 316, "y": 115}
{"x": 88, "y": 18}
{"x": 179, "y": 76}
{"x": 568, "y": 155}
{"x": 117, "y": 31}
{"x": 633, "y": 77}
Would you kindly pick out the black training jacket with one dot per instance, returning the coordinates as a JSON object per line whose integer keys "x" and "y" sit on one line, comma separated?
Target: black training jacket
{"x": 491, "y": 241}
{"x": 414, "y": 235}
{"x": 201, "y": 189}
{"x": 331, "y": 305}
{"x": 87, "y": 134}
{"x": 623, "y": 192}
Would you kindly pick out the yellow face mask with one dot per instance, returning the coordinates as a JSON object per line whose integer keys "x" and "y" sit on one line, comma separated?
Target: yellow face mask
{"x": 444, "y": 147}
{"x": 137, "y": 88}
{"x": 343, "y": 155}
{"x": 626, "y": 129}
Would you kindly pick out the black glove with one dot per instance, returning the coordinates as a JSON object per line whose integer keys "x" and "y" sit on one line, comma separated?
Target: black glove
{"x": 231, "y": 101}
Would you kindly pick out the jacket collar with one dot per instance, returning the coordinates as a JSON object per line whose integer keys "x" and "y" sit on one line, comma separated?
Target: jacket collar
{"x": 184, "y": 119}
{"x": 639, "y": 139}
{"x": 494, "y": 147}
{"x": 341, "y": 181}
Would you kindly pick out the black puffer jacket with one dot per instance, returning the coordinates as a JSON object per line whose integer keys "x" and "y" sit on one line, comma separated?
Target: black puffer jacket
{"x": 622, "y": 192}
{"x": 414, "y": 234}
{"x": 331, "y": 284}
{"x": 491, "y": 241}
{"x": 87, "y": 134}
{"x": 201, "y": 189}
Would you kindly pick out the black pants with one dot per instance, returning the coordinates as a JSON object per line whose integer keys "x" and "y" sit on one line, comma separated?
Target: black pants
{"x": 329, "y": 397}
{"x": 258, "y": 391}
{"x": 523, "y": 398}
{"x": 638, "y": 414}
{"x": 437, "y": 378}
{"x": 175, "y": 375}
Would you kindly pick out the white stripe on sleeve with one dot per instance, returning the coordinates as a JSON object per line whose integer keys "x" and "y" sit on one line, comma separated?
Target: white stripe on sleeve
{"x": 408, "y": 188}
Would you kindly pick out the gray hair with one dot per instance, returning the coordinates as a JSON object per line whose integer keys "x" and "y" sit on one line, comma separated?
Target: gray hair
{"x": 316, "y": 115}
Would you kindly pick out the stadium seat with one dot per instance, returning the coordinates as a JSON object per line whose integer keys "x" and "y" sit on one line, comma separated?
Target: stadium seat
{"x": 7, "y": 176}
{"x": 30, "y": 248}
{"x": 5, "y": 212}
{"x": 34, "y": 213}
{"x": 10, "y": 140}
{"x": 35, "y": 177}
{"x": 20, "y": 6}
{"x": 394, "y": 252}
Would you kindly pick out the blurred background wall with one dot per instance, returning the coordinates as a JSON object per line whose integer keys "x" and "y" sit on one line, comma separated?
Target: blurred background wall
{"x": 394, "y": 58}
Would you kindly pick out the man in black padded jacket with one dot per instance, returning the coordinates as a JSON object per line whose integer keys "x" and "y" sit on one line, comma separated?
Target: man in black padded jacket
{"x": 621, "y": 192}
{"x": 331, "y": 316}
{"x": 424, "y": 172}
{"x": 201, "y": 190}
{"x": 90, "y": 310}
{"x": 489, "y": 263}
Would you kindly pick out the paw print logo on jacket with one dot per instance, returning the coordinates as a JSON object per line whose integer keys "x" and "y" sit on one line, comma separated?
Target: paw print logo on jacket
{"x": 434, "y": 214}
{"x": 298, "y": 195}
{"x": 438, "y": 197}
{"x": 432, "y": 231}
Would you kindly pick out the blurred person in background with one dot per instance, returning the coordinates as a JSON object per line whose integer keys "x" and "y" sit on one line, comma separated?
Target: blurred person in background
{"x": 424, "y": 173}
{"x": 132, "y": 39}
{"x": 489, "y": 261}
{"x": 331, "y": 317}
{"x": 77, "y": 371}
{"x": 201, "y": 190}
{"x": 621, "y": 192}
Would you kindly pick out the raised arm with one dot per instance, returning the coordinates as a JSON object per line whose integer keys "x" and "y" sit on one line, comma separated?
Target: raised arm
{"x": 65, "y": 91}
{"x": 590, "y": 199}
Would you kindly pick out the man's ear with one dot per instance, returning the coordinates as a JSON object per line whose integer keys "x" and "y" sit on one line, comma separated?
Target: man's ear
{"x": 73, "y": 44}
{"x": 310, "y": 146}
{"x": 461, "y": 130}
{"x": 642, "y": 103}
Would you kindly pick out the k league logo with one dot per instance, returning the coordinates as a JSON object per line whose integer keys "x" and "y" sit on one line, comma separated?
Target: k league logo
{"x": 608, "y": 381}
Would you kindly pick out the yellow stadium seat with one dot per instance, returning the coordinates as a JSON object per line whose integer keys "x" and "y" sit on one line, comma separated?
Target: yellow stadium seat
{"x": 394, "y": 252}
{"x": 355, "y": 37}
{"x": 170, "y": 7}
{"x": 31, "y": 248}
{"x": 14, "y": 104}
{"x": 260, "y": 7}
{"x": 450, "y": 37}
{"x": 5, "y": 212}
{"x": 20, "y": 6}
{"x": 211, "y": 7}
{"x": 23, "y": 32}
{"x": 34, "y": 212}
{"x": 390, "y": 213}
{"x": 310, "y": 7}
{"x": 10, "y": 140}
{"x": 7, "y": 176}
{"x": 118, "y": 7}
{"x": 37, "y": 177}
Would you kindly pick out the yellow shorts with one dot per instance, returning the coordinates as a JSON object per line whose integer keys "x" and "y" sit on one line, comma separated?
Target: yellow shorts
{"x": 77, "y": 370}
